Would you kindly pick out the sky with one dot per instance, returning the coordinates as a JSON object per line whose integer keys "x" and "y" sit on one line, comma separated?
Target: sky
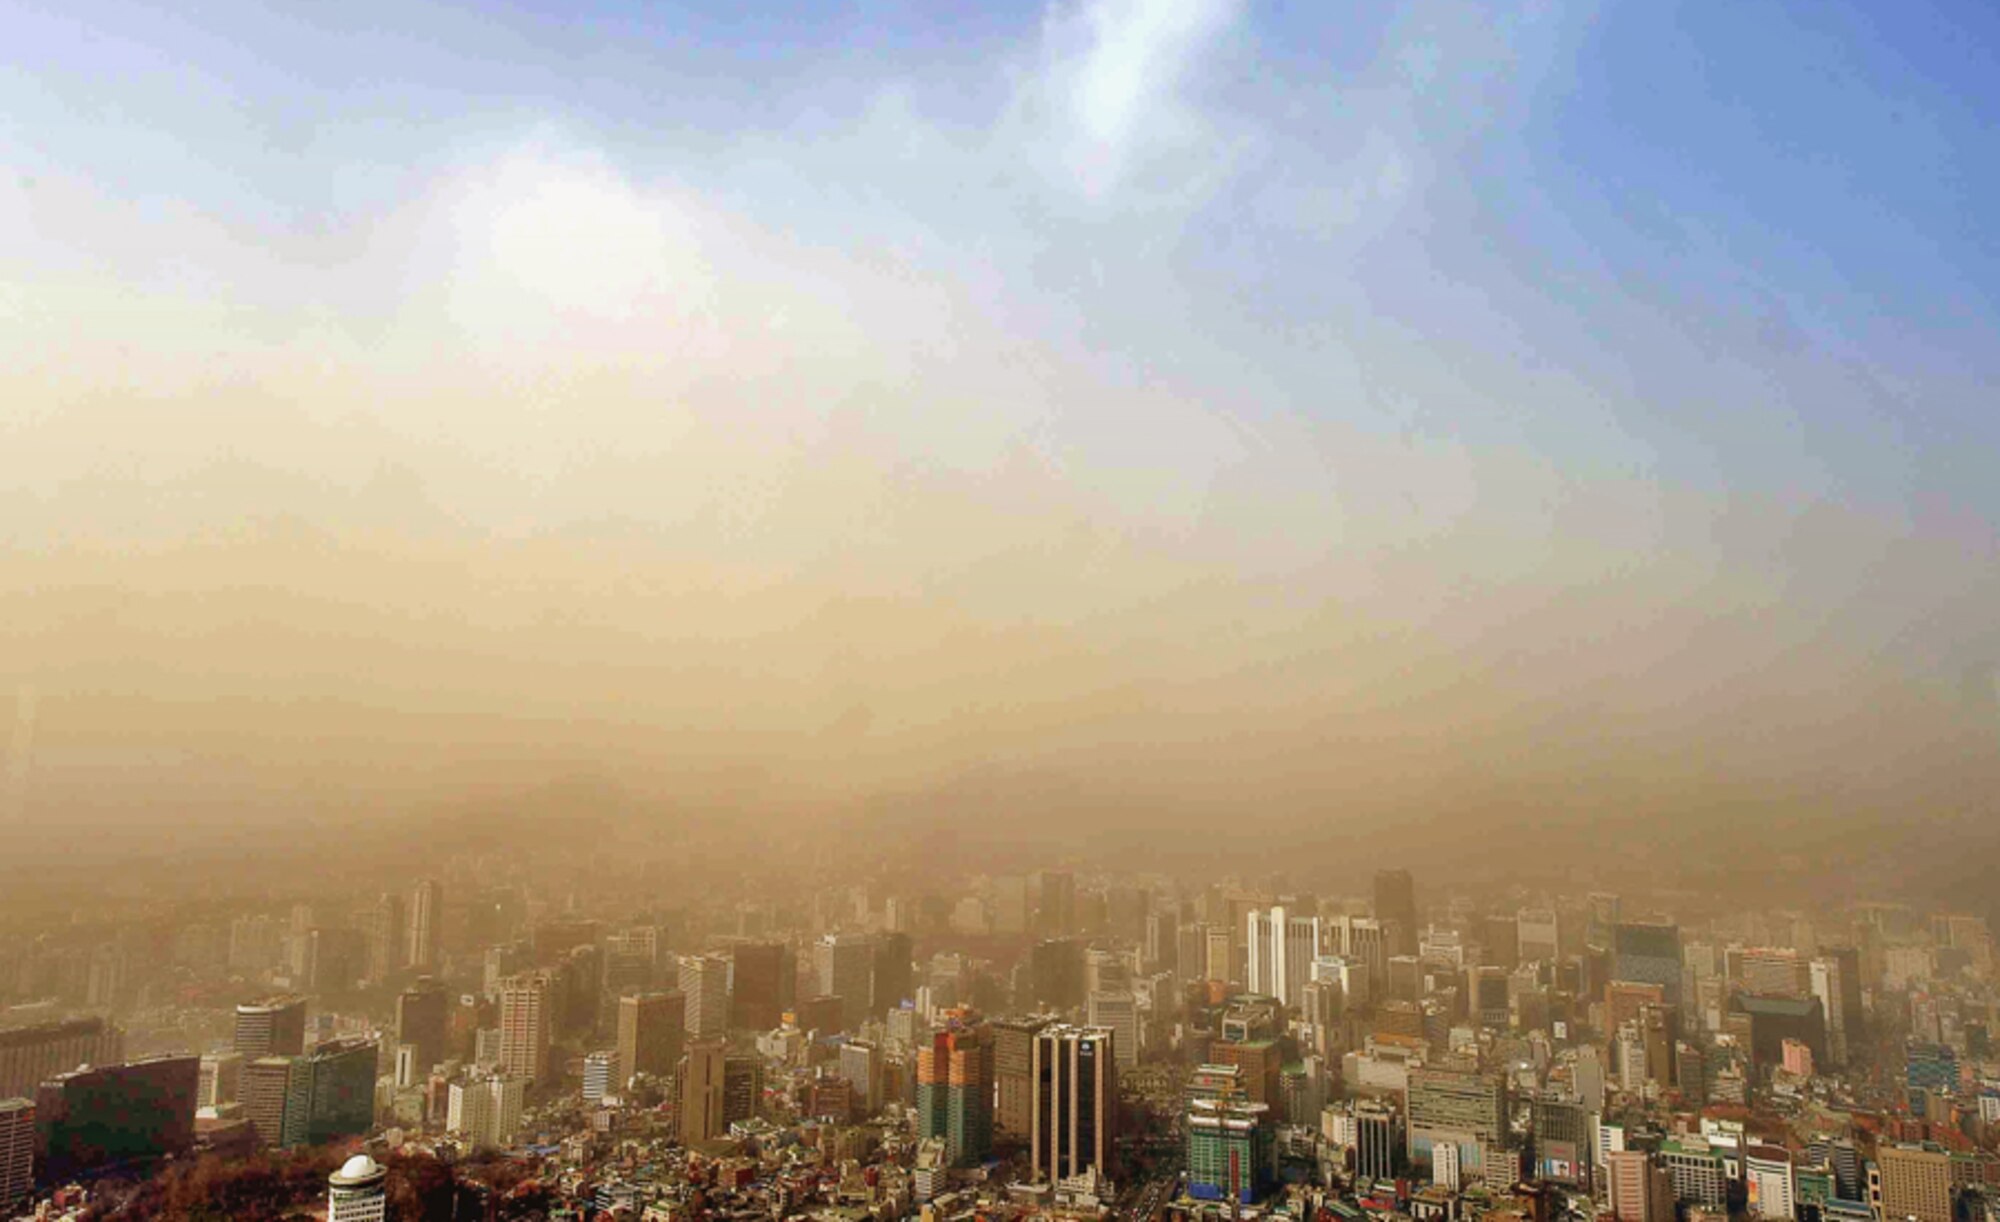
{"x": 1537, "y": 412}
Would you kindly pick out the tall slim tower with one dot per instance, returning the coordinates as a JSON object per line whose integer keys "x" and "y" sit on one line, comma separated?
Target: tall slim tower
{"x": 846, "y": 965}
{"x": 704, "y": 981}
{"x": 427, "y": 926}
{"x": 275, "y": 1026}
{"x": 651, "y": 1030}
{"x": 1076, "y": 1102}
{"x": 421, "y": 1013}
{"x": 387, "y": 934}
{"x": 526, "y": 1021}
{"x": 704, "y": 1074}
{"x": 17, "y": 1153}
{"x": 955, "y": 1092}
{"x": 1396, "y": 909}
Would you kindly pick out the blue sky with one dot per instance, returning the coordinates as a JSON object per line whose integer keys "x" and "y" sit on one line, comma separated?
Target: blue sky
{"x": 1460, "y": 317}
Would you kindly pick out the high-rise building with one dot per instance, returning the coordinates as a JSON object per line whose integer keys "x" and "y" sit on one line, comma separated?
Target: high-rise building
{"x": 650, "y": 1033}
{"x": 1562, "y": 1142}
{"x": 486, "y": 1111}
{"x": 1836, "y": 981}
{"x": 358, "y": 1192}
{"x": 421, "y": 1014}
{"x": 861, "y": 1064}
{"x": 28, "y": 1055}
{"x": 427, "y": 926}
{"x": 1649, "y": 953}
{"x": 600, "y": 1077}
{"x": 1537, "y": 937}
{"x": 759, "y": 978}
{"x": 1378, "y": 1140}
{"x": 704, "y": 984}
{"x": 526, "y": 1023}
{"x": 1014, "y": 1076}
{"x": 1699, "y": 1174}
{"x": 1281, "y": 949}
{"x": 1055, "y": 905}
{"x": 97, "y": 1117}
{"x": 340, "y": 1084}
{"x": 1769, "y": 1188}
{"x": 220, "y": 1074}
{"x": 955, "y": 1090}
{"x": 1637, "y": 1188}
{"x": 1396, "y": 909}
{"x": 1767, "y": 971}
{"x": 277, "y": 1099}
{"x": 1468, "y": 1110}
{"x": 1916, "y": 1182}
{"x": 17, "y": 1153}
{"x": 892, "y": 980}
{"x": 1118, "y": 1012}
{"x": 386, "y": 931}
{"x": 1075, "y": 1119}
{"x": 704, "y": 1072}
{"x": 1232, "y": 1151}
{"x": 742, "y": 1088}
{"x": 844, "y": 965}
{"x": 274, "y": 1027}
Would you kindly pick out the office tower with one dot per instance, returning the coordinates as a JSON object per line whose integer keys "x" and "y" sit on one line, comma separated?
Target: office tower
{"x": 1468, "y": 1110}
{"x": 421, "y": 1013}
{"x": 1637, "y": 1188}
{"x": 1697, "y": 1172}
{"x": 1075, "y": 1118}
{"x": 277, "y": 1099}
{"x": 861, "y": 1064}
{"x": 427, "y": 927}
{"x": 1836, "y": 982}
{"x": 386, "y": 932}
{"x": 650, "y": 1033}
{"x": 1055, "y": 970}
{"x": 28, "y": 1055}
{"x": 358, "y": 1192}
{"x": 955, "y": 1089}
{"x": 220, "y": 1074}
{"x": 759, "y": 976}
{"x": 17, "y": 1153}
{"x": 94, "y": 1117}
{"x": 844, "y": 966}
{"x": 1378, "y": 1140}
{"x": 704, "y": 984}
{"x": 1767, "y": 971}
{"x": 341, "y": 1089}
{"x": 1767, "y": 1182}
{"x": 600, "y": 1077}
{"x": 1916, "y": 1182}
{"x": 1163, "y": 946}
{"x": 487, "y": 1111}
{"x": 1773, "y": 1020}
{"x": 1537, "y": 939}
{"x": 1396, "y": 910}
{"x": 1648, "y": 953}
{"x": 1118, "y": 1013}
{"x": 500, "y": 962}
{"x": 1488, "y": 997}
{"x": 1232, "y": 1151}
{"x": 1014, "y": 1076}
{"x": 893, "y": 976}
{"x": 274, "y": 1027}
{"x": 1281, "y": 949}
{"x": 1562, "y": 1141}
{"x": 742, "y": 1088}
{"x": 526, "y": 1025}
{"x": 704, "y": 1072}
{"x": 1055, "y": 904}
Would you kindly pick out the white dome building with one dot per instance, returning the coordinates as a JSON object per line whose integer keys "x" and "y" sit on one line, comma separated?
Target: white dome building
{"x": 358, "y": 1191}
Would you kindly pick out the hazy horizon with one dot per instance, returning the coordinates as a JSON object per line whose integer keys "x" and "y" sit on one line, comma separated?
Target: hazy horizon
{"x": 1143, "y": 411}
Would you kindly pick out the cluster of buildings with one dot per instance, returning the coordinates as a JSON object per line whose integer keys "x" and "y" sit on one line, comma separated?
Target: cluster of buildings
{"x": 1041, "y": 1045}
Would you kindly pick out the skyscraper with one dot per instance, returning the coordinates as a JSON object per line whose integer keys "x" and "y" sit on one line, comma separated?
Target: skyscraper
{"x": 1117, "y": 1011}
{"x": 421, "y": 1013}
{"x": 844, "y": 965}
{"x": 1232, "y": 1151}
{"x": 275, "y": 1026}
{"x": 28, "y": 1055}
{"x": 1648, "y": 953}
{"x": 1075, "y": 1117}
{"x": 1014, "y": 1077}
{"x": 650, "y": 1033}
{"x": 1282, "y": 948}
{"x": 1468, "y": 1110}
{"x": 526, "y": 1021}
{"x": 96, "y": 1117}
{"x": 600, "y": 1077}
{"x": 385, "y": 929}
{"x": 758, "y": 981}
{"x": 892, "y": 974}
{"x": 955, "y": 1092}
{"x": 340, "y": 1085}
{"x": 704, "y": 984}
{"x": 1396, "y": 909}
{"x": 358, "y": 1192}
{"x": 17, "y": 1153}
{"x": 427, "y": 926}
{"x": 704, "y": 1071}
{"x": 277, "y": 1099}
{"x": 1055, "y": 904}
